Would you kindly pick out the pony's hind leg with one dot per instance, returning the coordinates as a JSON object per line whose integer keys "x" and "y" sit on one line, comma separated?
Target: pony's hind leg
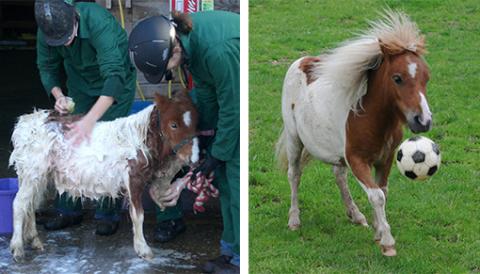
{"x": 353, "y": 212}
{"x": 31, "y": 233}
{"x": 376, "y": 197}
{"x": 294, "y": 151}
{"x": 21, "y": 205}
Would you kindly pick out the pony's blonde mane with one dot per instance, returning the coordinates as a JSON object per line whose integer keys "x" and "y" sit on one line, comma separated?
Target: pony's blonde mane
{"x": 346, "y": 66}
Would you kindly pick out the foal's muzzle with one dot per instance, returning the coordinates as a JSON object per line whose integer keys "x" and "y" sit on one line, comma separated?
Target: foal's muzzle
{"x": 417, "y": 125}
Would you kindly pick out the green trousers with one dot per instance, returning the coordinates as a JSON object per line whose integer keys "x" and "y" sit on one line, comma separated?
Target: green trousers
{"x": 106, "y": 208}
{"x": 228, "y": 182}
{"x": 227, "y": 179}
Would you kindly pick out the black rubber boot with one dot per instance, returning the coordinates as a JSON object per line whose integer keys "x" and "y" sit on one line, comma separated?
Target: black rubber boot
{"x": 168, "y": 230}
{"x": 106, "y": 228}
{"x": 212, "y": 265}
{"x": 61, "y": 221}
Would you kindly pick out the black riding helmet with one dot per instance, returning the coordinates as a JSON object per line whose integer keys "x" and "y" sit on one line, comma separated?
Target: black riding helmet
{"x": 150, "y": 45}
{"x": 56, "y": 20}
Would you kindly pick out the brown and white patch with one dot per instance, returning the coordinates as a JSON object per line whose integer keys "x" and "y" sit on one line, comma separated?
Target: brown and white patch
{"x": 307, "y": 65}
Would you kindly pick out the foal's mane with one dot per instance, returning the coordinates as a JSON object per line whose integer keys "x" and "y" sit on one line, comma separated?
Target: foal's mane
{"x": 347, "y": 65}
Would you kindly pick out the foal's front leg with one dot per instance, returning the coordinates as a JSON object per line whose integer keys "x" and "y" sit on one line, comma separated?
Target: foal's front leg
{"x": 137, "y": 216}
{"x": 376, "y": 197}
{"x": 353, "y": 212}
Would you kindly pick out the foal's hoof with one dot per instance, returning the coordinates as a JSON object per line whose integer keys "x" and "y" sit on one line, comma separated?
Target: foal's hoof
{"x": 293, "y": 227}
{"x": 357, "y": 218}
{"x": 18, "y": 254}
{"x": 388, "y": 251}
{"x": 37, "y": 244}
{"x": 146, "y": 255}
{"x": 294, "y": 224}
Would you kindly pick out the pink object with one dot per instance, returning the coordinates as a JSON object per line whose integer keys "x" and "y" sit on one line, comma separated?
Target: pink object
{"x": 202, "y": 186}
{"x": 8, "y": 190}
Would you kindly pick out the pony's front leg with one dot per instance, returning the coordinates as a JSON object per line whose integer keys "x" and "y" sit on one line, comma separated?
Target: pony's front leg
{"x": 376, "y": 197}
{"x": 137, "y": 216}
{"x": 353, "y": 212}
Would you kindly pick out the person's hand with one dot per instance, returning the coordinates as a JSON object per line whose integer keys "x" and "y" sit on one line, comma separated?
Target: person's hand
{"x": 61, "y": 105}
{"x": 80, "y": 131}
{"x": 207, "y": 167}
{"x": 171, "y": 196}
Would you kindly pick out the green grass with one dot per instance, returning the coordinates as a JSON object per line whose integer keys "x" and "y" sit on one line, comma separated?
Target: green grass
{"x": 437, "y": 223}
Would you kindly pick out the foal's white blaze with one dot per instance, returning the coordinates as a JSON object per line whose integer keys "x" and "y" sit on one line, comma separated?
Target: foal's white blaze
{"x": 426, "y": 113}
{"x": 195, "y": 150}
{"x": 412, "y": 69}
{"x": 187, "y": 119}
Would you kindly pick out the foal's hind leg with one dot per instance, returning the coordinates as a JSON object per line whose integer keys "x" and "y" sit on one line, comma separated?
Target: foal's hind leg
{"x": 20, "y": 210}
{"x": 294, "y": 151}
{"x": 353, "y": 212}
{"x": 31, "y": 233}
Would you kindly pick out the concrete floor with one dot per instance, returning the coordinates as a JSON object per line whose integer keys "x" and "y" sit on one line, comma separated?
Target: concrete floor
{"x": 78, "y": 249}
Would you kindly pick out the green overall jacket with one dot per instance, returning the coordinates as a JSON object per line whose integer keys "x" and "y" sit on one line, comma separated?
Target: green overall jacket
{"x": 212, "y": 54}
{"x": 96, "y": 63}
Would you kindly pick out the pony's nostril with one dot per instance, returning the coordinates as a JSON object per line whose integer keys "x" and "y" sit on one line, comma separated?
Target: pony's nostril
{"x": 417, "y": 119}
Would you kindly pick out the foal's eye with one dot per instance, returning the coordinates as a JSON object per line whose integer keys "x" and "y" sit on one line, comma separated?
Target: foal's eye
{"x": 173, "y": 125}
{"x": 397, "y": 79}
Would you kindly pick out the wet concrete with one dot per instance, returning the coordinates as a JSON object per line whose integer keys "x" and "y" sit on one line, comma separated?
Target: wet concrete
{"x": 78, "y": 249}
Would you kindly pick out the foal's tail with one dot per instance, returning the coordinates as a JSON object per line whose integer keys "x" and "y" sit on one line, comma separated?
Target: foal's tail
{"x": 281, "y": 154}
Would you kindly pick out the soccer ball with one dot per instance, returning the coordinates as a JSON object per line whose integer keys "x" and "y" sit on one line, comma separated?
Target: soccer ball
{"x": 418, "y": 158}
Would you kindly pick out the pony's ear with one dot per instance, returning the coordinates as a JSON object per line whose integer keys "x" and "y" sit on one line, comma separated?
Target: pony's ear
{"x": 181, "y": 95}
{"x": 383, "y": 48}
{"x": 161, "y": 101}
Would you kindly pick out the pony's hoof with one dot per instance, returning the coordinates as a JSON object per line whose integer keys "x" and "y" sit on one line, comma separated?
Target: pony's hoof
{"x": 18, "y": 254}
{"x": 37, "y": 244}
{"x": 293, "y": 227}
{"x": 294, "y": 223}
{"x": 389, "y": 251}
{"x": 357, "y": 218}
{"x": 146, "y": 255}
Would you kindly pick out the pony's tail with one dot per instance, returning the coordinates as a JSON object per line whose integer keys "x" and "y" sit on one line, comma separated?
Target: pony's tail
{"x": 305, "y": 158}
{"x": 281, "y": 152}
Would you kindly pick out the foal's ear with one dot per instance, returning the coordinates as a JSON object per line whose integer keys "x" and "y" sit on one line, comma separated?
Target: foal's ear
{"x": 181, "y": 95}
{"x": 383, "y": 47}
{"x": 161, "y": 101}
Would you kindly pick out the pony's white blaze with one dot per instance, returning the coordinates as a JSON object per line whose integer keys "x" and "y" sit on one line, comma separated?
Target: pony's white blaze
{"x": 187, "y": 119}
{"x": 412, "y": 69}
{"x": 426, "y": 113}
{"x": 195, "y": 150}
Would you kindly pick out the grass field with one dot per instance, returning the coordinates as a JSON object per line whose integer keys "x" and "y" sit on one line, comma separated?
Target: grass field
{"x": 436, "y": 223}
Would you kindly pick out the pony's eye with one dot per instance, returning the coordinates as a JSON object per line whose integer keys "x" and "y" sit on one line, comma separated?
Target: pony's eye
{"x": 397, "y": 79}
{"x": 173, "y": 125}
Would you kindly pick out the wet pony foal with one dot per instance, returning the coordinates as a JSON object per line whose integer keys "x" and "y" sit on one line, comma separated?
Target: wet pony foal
{"x": 347, "y": 108}
{"x": 121, "y": 158}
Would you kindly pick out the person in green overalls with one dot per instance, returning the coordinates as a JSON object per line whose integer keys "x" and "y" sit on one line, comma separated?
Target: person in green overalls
{"x": 208, "y": 45}
{"x": 92, "y": 47}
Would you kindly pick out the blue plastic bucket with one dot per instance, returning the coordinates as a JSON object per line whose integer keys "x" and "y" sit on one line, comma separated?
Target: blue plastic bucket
{"x": 8, "y": 190}
{"x": 139, "y": 105}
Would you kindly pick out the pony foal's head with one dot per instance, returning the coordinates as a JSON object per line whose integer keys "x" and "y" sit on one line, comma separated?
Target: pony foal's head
{"x": 178, "y": 125}
{"x": 405, "y": 73}
{"x": 406, "y": 76}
